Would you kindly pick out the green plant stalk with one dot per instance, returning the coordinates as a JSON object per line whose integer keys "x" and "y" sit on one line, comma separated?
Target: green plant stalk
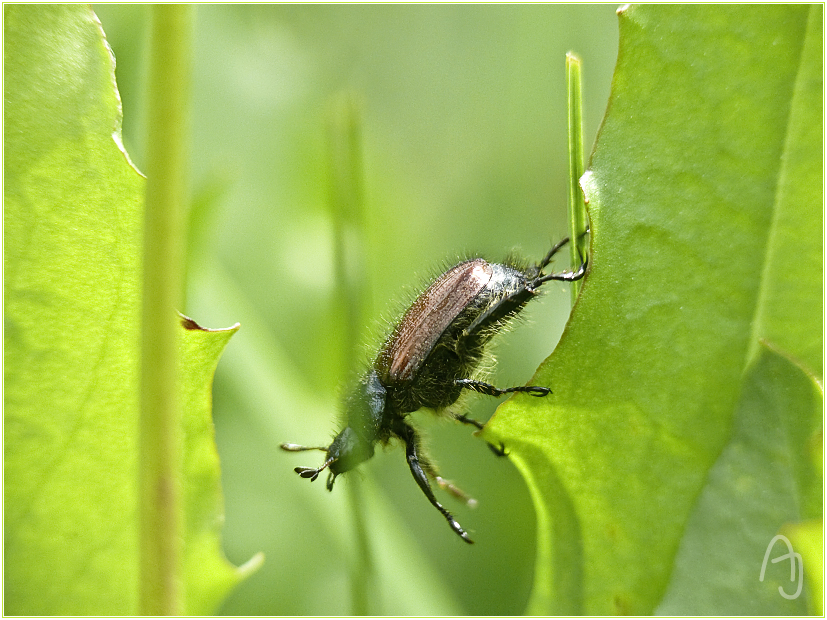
{"x": 160, "y": 459}
{"x": 346, "y": 204}
{"x": 577, "y": 203}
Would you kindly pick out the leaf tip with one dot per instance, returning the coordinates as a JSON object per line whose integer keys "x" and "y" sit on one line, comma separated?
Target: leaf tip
{"x": 190, "y": 324}
{"x": 251, "y": 565}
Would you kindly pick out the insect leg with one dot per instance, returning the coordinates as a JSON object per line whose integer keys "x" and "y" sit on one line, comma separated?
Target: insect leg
{"x": 445, "y": 485}
{"x": 466, "y": 420}
{"x": 557, "y": 247}
{"x": 497, "y": 450}
{"x": 565, "y": 276}
{"x": 490, "y": 390}
{"x": 416, "y": 463}
{"x": 547, "y": 259}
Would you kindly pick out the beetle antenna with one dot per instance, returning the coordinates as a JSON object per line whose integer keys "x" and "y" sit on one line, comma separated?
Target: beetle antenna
{"x": 294, "y": 447}
{"x": 313, "y": 472}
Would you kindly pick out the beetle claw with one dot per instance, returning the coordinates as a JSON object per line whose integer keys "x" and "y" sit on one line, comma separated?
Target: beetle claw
{"x": 498, "y": 450}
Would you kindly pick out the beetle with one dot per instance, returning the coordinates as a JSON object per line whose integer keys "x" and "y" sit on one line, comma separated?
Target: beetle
{"x": 428, "y": 360}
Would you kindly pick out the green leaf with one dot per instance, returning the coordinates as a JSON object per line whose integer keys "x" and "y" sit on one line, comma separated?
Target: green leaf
{"x": 693, "y": 188}
{"x": 762, "y": 479}
{"x": 808, "y": 539}
{"x": 794, "y": 276}
{"x": 208, "y": 575}
{"x": 73, "y": 207}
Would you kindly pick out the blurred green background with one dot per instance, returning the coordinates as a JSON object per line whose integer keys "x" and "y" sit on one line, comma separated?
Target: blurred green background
{"x": 464, "y": 151}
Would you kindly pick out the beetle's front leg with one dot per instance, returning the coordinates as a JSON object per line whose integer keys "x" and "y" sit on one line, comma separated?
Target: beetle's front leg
{"x": 416, "y": 463}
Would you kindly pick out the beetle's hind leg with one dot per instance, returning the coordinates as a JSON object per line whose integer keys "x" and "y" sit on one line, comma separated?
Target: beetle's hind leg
{"x": 445, "y": 485}
{"x": 450, "y": 487}
{"x": 419, "y": 465}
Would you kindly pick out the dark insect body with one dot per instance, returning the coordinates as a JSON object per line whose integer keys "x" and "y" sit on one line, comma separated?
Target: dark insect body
{"x": 428, "y": 360}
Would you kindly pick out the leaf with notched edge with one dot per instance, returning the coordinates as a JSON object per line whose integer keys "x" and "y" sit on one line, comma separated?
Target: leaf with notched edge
{"x": 72, "y": 241}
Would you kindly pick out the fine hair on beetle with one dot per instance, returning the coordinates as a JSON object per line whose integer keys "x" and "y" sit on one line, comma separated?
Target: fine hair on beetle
{"x": 431, "y": 356}
{"x": 487, "y": 362}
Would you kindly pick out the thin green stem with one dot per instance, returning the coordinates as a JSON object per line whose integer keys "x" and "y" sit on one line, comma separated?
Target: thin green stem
{"x": 346, "y": 205}
{"x": 160, "y": 451}
{"x": 577, "y": 166}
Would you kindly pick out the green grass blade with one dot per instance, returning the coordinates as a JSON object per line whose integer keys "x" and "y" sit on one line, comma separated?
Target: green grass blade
{"x": 161, "y": 513}
{"x": 347, "y": 210}
{"x": 578, "y": 221}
